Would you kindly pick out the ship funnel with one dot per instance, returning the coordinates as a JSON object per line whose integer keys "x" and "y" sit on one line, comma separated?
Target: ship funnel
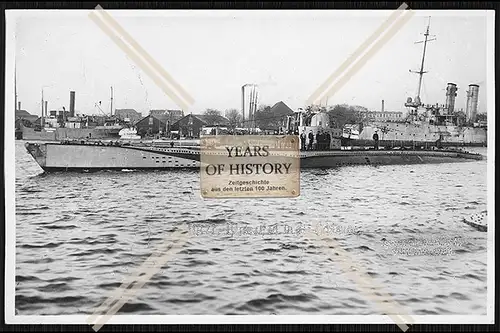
{"x": 451, "y": 93}
{"x": 71, "y": 103}
{"x": 472, "y": 99}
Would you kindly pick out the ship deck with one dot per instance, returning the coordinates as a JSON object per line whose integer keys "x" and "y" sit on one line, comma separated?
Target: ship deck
{"x": 344, "y": 151}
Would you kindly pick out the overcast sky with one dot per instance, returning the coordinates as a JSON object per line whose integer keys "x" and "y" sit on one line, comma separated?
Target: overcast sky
{"x": 212, "y": 54}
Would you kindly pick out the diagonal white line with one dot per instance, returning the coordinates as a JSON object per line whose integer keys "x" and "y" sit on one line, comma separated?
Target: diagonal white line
{"x": 141, "y": 280}
{"x": 134, "y": 283}
{"x": 364, "y": 282}
{"x": 368, "y": 55}
{"x": 376, "y": 34}
{"x": 140, "y": 62}
{"x": 110, "y": 20}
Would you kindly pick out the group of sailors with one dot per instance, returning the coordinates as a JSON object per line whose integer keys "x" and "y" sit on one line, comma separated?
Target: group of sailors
{"x": 320, "y": 141}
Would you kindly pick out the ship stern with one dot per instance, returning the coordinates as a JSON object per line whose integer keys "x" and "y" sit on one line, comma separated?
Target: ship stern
{"x": 38, "y": 151}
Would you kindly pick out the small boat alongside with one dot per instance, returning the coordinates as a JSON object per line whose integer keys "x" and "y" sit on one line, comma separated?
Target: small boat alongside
{"x": 478, "y": 221}
{"x": 129, "y": 134}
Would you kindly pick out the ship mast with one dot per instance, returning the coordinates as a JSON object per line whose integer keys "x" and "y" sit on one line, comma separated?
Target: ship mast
{"x": 15, "y": 88}
{"x": 248, "y": 123}
{"x": 111, "y": 111}
{"x": 42, "y": 124}
{"x": 255, "y": 109}
{"x": 250, "y": 108}
{"x": 421, "y": 72}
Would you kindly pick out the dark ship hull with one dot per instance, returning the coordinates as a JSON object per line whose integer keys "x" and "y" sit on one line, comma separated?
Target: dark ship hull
{"x": 92, "y": 156}
{"x": 58, "y": 134}
{"x": 392, "y": 134}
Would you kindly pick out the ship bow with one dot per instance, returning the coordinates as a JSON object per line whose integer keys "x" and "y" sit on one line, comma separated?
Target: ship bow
{"x": 39, "y": 153}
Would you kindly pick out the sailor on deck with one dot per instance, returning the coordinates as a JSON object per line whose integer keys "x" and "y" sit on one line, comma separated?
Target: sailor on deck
{"x": 311, "y": 140}
{"x": 375, "y": 138}
{"x": 302, "y": 141}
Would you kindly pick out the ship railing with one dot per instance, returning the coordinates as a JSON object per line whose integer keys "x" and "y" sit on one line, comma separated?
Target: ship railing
{"x": 336, "y": 150}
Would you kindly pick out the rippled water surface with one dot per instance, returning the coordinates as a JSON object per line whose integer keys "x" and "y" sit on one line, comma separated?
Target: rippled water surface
{"x": 80, "y": 235}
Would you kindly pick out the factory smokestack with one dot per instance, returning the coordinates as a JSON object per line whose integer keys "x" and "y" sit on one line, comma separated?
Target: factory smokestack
{"x": 451, "y": 93}
{"x": 472, "y": 99}
{"x": 19, "y": 106}
{"x": 46, "y": 112}
{"x": 383, "y": 106}
{"x": 71, "y": 103}
{"x": 243, "y": 105}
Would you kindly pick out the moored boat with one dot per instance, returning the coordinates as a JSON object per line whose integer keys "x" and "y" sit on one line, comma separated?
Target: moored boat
{"x": 58, "y": 134}
{"x": 88, "y": 155}
{"x": 425, "y": 123}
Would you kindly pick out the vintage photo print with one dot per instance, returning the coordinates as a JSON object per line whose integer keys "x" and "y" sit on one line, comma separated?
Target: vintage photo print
{"x": 249, "y": 166}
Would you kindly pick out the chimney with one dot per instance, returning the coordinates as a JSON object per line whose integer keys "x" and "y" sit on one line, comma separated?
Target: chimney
{"x": 382, "y": 105}
{"x": 243, "y": 105}
{"x": 46, "y": 112}
{"x": 71, "y": 103}
{"x": 19, "y": 106}
{"x": 472, "y": 99}
{"x": 451, "y": 93}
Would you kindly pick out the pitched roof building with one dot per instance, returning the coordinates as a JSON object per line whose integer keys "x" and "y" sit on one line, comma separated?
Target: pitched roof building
{"x": 281, "y": 109}
{"x": 273, "y": 118}
{"x": 151, "y": 125}
{"x": 171, "y": 115}
{"x": 191, "y": 125}
{"x": 25, "y": 116}
{"x": 130, "y": 114}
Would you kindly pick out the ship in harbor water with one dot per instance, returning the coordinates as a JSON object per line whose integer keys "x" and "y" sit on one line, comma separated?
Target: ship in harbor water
{"x": 424, "y": 123}
{"x": 93, "y": 155}
{"x": 422, "y": 137}
{"x": 62, "y": 125}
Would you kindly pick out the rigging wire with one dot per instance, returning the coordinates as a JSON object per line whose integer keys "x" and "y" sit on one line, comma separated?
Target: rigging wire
{"x": 138, "y": 73}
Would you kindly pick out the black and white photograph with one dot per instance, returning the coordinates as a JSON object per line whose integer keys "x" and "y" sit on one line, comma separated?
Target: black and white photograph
{"x": 387, "y": 217}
